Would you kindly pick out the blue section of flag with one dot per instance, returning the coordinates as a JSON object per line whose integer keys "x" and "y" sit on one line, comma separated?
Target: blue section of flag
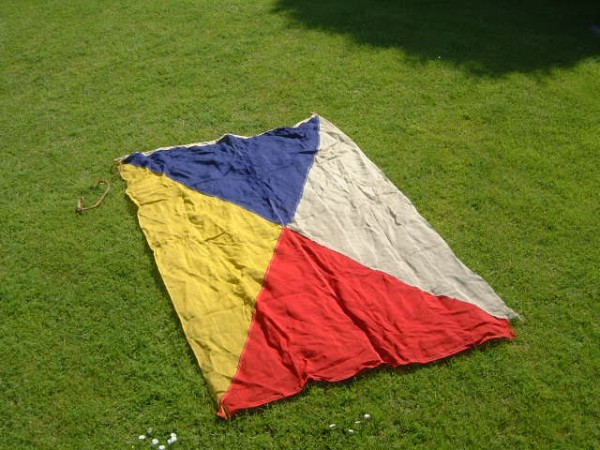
{"x": 265, "y": 174}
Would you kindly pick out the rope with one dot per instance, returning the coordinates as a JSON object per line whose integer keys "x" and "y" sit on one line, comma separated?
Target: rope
{"x": 81, "y": 208}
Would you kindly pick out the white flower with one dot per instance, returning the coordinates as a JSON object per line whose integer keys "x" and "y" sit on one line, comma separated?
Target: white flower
{"x": 350, "y": 431}
{"x": 173, "y": 436}
{"x": 357, "y": 422}
{"x": 155, "y": 441}
{"x": 141, "y": 437}
{"x": 161, "y": 447}
{"x": 332, "y": 426}
{"x": 367, "y": 416}
{"x": 172, "y": 439}
{"x": 149, "y": 431}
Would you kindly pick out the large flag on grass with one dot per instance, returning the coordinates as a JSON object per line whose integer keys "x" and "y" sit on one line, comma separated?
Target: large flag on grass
{"x": 289, "y": 257}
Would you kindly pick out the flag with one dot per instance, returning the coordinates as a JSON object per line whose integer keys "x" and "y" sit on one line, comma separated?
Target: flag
{"x": 290, "y": 257}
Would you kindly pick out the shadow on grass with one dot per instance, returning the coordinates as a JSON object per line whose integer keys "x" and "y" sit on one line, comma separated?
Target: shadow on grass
{"x": 485, "y": 37}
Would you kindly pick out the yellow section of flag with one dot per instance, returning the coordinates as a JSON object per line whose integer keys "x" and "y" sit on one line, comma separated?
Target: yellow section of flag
{"x": 213, "y": 256}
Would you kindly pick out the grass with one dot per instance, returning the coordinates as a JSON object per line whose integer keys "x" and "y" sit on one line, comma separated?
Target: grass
{"x": 487, "y": 117}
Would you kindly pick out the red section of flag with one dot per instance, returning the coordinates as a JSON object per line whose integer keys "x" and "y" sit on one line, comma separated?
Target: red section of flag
{"x": 323, "y": 316}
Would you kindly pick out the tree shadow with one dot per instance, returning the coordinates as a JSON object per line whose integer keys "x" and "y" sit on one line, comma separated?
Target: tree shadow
{"x": 486, "y": 37}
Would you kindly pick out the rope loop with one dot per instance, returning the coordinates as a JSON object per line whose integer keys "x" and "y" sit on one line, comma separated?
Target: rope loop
{"x": 80, "y": 206}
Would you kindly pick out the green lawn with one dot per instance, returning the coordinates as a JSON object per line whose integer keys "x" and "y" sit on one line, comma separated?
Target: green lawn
{"x": 486, "y": 114}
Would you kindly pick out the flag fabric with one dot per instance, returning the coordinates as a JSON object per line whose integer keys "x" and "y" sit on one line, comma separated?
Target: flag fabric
{"x": 290, "y": 257}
